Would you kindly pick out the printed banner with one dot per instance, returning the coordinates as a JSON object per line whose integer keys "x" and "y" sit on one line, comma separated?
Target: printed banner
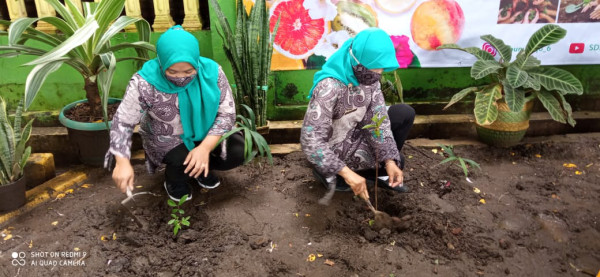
{"x": 311, "y": 30}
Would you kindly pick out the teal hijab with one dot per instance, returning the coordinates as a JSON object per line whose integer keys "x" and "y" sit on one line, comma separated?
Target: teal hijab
{"x": 372, "y": 47}
{"x": 198, "y": 100}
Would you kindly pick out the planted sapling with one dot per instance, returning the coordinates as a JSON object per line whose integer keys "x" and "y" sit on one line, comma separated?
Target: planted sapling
{"x": 375, "y": 127}
{"x": 462, "y": 162}
{"x": 178, "y": 220}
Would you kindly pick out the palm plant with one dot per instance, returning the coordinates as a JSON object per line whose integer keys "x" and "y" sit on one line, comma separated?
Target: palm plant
{"x": 82, "y": 42}
{"x": 519, "y": 81}
{"x": 13, "y": 153}
{"x": 249, "y": 51}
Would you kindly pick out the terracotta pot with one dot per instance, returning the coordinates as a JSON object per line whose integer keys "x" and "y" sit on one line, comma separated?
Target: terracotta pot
{"x": 12, "y": 196}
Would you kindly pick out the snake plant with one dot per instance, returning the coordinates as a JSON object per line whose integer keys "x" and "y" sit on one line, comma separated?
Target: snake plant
{"x": 521, "y": 80}
{"x": 13, "y": 153}
{"x": 249, "y": 51}
{"x": 83, "y": 41}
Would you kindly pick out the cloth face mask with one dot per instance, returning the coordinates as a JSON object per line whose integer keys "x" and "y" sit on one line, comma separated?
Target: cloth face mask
{"x": 181, "y": 81}
{"x": 363, "y": 75}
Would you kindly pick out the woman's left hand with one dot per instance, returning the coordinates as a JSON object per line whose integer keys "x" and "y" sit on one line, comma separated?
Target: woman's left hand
{"x": 395, "y": 173}
{"x": 197, "y": 162}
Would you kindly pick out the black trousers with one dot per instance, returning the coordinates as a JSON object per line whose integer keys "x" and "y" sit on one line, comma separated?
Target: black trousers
{"x": 401, "y": 118}
{"x": 175, "y": 158}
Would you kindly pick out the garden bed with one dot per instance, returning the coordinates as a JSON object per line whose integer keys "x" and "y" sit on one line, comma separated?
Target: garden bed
{"x": 534, "y": 215}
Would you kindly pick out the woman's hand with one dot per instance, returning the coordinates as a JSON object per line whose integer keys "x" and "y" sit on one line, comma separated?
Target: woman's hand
{"x": 123, "y": 174}
{"x": 395, "y": 173}
{"x": 197, "y": 161}
{"x": 355, "y": 181}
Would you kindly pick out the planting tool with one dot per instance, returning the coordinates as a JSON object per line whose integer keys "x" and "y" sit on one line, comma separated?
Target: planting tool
{"x": 573, "y": 8}
{"x": 130, "y": 197}
{"x": 382, "y": 219}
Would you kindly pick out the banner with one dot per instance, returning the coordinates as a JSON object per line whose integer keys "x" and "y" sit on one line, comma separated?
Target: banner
{"x": 311, "y": 30}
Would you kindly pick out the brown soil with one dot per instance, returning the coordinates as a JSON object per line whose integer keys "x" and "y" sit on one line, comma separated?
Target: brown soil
{"x": 81, "y": 113}
{"x": 540, "y": 218}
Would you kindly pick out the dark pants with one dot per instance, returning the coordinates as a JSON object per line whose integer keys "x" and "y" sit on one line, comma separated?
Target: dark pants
{"x": 401, "y": 118}
{"x": 175, "y": 158}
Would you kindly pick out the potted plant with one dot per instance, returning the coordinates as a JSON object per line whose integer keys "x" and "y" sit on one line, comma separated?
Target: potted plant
{"x": 13, "y": 156}
{"x": 249, "y": 51}
{"x": 503, "y": 106}
{"x": 84, "y": 43}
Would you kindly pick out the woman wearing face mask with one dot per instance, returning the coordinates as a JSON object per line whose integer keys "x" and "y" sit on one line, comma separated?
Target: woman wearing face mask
{"x": 184, "y": 104}
{"x": 345, "y": 95}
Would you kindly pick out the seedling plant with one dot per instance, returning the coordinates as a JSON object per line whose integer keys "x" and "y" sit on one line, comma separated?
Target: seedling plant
{"x": 453, "y": 158}
{"x": 375, "y": 128}
{"x": 178, "y": 220}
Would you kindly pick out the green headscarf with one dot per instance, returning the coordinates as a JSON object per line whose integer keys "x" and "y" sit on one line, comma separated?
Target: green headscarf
{"x": 198, "y": 100}
{"x": 372, "y": 47}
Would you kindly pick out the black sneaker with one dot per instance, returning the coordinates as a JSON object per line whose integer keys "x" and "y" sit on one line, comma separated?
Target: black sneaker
{"x": 384, "y": 183}
{"x": 340, "y": 183}
{"x": 175, "y": 192}
{"x": 208, "y": 182}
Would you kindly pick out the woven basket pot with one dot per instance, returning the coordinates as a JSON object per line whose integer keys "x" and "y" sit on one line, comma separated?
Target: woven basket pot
{"x": 508, "y": 129}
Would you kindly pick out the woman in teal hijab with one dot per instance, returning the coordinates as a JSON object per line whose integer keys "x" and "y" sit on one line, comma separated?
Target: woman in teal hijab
{"x": 183, "y": 103}
{"x": 345, "y": 96}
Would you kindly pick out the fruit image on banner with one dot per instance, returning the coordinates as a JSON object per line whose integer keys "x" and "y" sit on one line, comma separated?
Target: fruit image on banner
{"x": 437, "y": 22}
{"x": 353, "y": 17}
{"x": 298, "y": 34}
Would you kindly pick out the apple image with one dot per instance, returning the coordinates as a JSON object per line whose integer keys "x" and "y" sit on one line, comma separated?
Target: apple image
{"x": 437, "y": 22}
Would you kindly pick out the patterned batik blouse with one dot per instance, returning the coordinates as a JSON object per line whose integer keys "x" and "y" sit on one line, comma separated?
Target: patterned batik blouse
{"x": 332, "y": 136}
{"x": 160, "y": 124}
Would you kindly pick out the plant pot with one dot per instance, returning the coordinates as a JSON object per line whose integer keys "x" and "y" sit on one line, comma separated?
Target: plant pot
{"x": 90, "y": 139}
{"x": 12, "y": 196}
{"x": 508, "y": 129}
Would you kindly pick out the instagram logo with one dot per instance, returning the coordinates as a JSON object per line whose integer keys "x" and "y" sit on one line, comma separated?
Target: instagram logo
{"x": 488, "y": 48}
{"x": 18, "y": 258}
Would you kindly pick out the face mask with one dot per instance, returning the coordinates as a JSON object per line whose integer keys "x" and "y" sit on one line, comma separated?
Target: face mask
{"x": 363, "y": 75}
{"x": 181, "y": 81}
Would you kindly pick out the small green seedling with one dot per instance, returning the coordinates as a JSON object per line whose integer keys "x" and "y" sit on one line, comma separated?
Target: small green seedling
{"x": 462, "y": 162}
{"x": 178, "y": 220}
{"x": 376, "y": 128}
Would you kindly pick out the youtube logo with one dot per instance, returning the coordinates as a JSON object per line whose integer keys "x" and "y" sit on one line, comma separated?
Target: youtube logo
{"x": 576, "y": 48}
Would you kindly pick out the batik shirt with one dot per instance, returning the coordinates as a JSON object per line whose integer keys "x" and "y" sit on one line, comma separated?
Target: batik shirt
{"x": 160, "y": 124}
{"x": 332, "y": 134}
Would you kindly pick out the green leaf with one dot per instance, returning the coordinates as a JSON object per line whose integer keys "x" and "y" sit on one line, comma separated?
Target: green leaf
{"x": 526, "y": 62}
{"x": 514, "y": 97}
{"x": 17, "y": 28}
{"x": 171, "y": 203}
{"x": 77, "y": 39}
{"x": 369, "y": 126}
{"x": 174, "y": 216}
{"x": 180, "y": 211}
{"x": 552, "y": 105}
{"x": 176, "y": 229}
{"x": 552, "y": 78}
{"x": 448, "y": 160}
{"x": 185, "y": 223}
{"x": 463, "y": 166}
{"x": 532, "y": 83}
{"x": 171, "y": 222}
{"x": 64, "y": 13}
{"x": 483, "y": 68}
{"x": 478, "y": 53}
{"x": 547, "y": 35}
{"x": 515, "y": 76}
{"x": 105, "y": 77}
{"x": 460, "y": 95}
{"x": 36, "y": 78}
{"x": 504, "y": 50}
{"x": 472, "y": 163}
{"x": 183, "y": 199}
{"x": 447, "y": 149}
{"x": 486, "y": 108}
{"x": 567, "y": 108}
{"x": 115, "y": 28}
